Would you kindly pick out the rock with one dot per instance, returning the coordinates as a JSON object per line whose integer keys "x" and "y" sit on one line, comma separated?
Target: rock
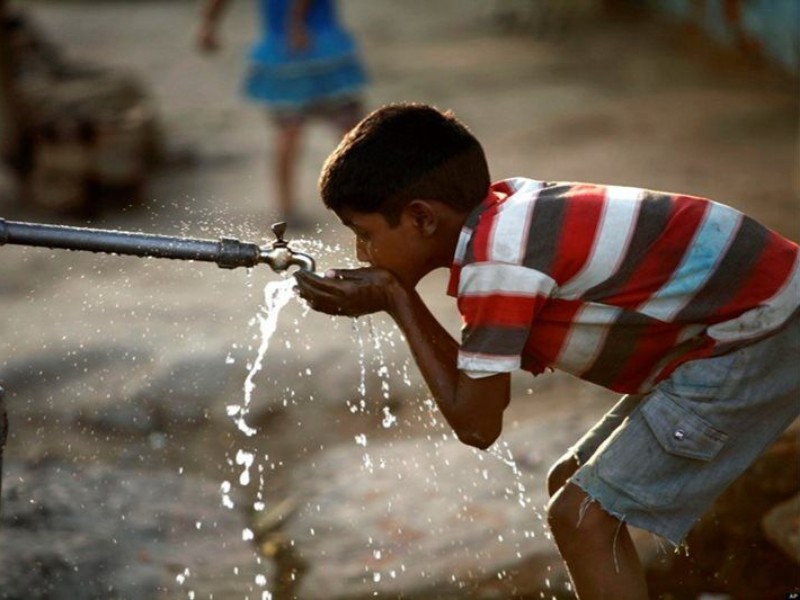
{"x": 428, "y": 518}
{"x": 101, "y": 532}
{"x": 91, "y": 131}
{"x": 782, "y": 527}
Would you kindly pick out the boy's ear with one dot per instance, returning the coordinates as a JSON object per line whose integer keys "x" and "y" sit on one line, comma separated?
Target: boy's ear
{"x": 423, "y": 215}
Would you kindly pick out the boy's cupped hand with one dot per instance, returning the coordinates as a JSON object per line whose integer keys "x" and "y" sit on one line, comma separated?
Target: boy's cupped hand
{"x": 347, "y": 292}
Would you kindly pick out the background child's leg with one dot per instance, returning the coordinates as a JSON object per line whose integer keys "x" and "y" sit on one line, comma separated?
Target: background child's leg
{"x": 347, "y": 115}
{"x": 289, "y": 134}
{"x": 600, "y": 555}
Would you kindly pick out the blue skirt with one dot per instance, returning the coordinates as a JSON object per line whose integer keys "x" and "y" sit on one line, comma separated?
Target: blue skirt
{"x": 330, "y": 70}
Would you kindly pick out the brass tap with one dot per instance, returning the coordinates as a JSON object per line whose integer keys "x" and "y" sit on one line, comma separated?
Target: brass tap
{"x": 280, "y": 257}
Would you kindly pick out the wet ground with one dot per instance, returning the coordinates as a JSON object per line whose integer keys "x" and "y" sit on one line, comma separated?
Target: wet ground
{"x": 132, "y": 362}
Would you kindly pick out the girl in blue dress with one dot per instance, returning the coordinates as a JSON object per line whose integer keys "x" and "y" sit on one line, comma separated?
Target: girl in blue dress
{"x": 305, "y": 65}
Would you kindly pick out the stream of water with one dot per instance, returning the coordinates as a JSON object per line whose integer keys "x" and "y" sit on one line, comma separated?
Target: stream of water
{"x": 276, "y": 295}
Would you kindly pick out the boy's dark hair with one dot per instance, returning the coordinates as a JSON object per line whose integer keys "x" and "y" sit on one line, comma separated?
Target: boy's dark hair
{"x": 403, "y": 152}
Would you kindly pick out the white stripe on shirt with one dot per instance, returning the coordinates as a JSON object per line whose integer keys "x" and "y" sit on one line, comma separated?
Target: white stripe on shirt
{"x": 470, "y": 361}
{"x": 479, "y": 279}
{"x": 509, "y": 236}
{"x": 586, "y": 338}
{"x": 614, "y": 232}
{"x": 461, "y": 247}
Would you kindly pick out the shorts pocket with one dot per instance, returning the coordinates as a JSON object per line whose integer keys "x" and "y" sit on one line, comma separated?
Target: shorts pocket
{"x": 661, "y": 452}
{"x": 680, "y": 431}
{"x": 703, "y": 379}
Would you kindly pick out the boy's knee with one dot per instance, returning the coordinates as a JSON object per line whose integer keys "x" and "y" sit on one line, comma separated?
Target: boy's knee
{"x": 572, "y": 512}
{"x": 563, "y": 510}
{"x": 560, "y": 472}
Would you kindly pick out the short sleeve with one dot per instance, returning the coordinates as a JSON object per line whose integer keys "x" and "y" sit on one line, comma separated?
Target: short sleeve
{"x": 498, "y": 303}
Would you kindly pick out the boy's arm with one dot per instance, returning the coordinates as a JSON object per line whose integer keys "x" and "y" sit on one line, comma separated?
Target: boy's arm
{"x": 207, "y": 34}
{"x": 473, "y": 407}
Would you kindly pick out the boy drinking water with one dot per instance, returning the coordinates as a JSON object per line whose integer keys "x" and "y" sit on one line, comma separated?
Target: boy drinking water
{"x": 687, "y": 306}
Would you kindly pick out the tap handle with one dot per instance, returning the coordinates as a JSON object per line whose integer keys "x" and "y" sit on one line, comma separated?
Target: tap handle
{"x": 279, "y": 229}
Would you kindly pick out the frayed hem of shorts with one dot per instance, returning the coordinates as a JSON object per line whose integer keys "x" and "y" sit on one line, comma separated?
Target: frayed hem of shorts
{"x": 661, "y": 541}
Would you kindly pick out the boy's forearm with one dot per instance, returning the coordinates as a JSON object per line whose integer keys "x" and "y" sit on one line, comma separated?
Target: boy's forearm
{"x": 433, "y": 348}
{"x": 473, "y": 408}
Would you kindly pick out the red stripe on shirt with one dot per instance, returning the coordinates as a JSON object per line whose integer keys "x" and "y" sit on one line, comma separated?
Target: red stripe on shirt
{"x": 649, "y": 349}
{"x": 583, "y": 210}
{"x": 704, "y": 350}
{"x": 550, "y": 329}
{"x": 499, "y": 310}
{"x": 483, "y": 231}
{"x": 765, "y": 279}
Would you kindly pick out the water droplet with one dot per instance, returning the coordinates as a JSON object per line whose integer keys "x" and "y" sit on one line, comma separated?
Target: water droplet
{"x": 388, "y": 418}
{"x": 245, "y": 459}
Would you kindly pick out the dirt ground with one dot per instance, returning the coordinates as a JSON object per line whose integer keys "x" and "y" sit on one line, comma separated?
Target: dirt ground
{"x": 625, "y": 101}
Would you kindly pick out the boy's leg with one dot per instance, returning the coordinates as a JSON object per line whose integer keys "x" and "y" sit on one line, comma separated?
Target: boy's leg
{"x": 597, "y": 548}
{"x": 560, "y": 472}
{"x": 673, "y": 454}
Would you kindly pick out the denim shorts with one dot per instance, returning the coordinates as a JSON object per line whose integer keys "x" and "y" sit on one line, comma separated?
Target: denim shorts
{"x": 658, "y": 461}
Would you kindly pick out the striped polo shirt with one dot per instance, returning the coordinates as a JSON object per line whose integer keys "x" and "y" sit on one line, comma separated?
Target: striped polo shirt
{"x": 616, "y": 285}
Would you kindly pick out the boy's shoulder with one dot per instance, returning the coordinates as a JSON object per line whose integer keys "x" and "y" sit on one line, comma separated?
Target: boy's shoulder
{"x": 557, "y": 226}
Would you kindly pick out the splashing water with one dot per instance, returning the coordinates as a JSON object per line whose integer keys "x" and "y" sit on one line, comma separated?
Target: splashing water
{"x": 276, "y": 295}
{"x": 505, "y": 455}
{"x": 502, "y": 452}
{"x": 365, "y": 328}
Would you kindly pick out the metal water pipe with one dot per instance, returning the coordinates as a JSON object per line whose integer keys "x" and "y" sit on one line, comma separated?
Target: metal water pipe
{"x": 228, "y": 253}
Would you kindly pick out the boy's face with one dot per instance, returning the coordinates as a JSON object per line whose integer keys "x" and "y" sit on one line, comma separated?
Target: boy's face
{"x": 400, "y": 249}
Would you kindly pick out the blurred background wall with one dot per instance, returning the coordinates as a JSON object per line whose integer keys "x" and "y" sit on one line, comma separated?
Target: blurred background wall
{"x": 769, "y": 29}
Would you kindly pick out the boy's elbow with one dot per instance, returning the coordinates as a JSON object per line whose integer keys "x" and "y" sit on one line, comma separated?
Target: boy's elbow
{"x": 478, "y": 421}
{"x": 480, "y": 439}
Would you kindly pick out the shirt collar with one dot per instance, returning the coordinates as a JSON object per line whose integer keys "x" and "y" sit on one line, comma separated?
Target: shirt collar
{"x": 498, "y": 192}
